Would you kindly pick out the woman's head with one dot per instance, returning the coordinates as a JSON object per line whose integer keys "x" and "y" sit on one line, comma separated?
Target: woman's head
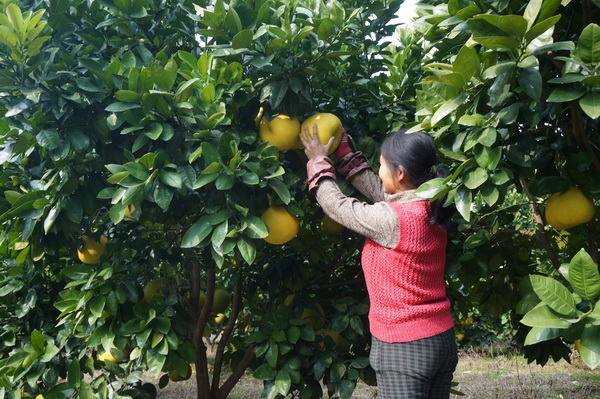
{"x": 414, "y": 157}
{"x": 413, "y": 154}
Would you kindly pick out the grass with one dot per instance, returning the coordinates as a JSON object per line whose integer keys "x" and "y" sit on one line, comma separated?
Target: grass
{"x": 479, "y": 376}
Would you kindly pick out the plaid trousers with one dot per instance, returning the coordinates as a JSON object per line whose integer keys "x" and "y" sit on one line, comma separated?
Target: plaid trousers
{"x": 417, "y": 369}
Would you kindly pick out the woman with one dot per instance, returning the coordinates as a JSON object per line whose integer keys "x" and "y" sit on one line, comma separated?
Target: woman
{"x": 413, "y": 351}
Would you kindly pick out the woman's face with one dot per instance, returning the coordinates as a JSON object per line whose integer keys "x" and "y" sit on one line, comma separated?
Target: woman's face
{"x": 388, "y": 178}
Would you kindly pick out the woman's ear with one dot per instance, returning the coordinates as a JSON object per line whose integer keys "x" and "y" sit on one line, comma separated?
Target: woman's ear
{"x": 402, "y": 180}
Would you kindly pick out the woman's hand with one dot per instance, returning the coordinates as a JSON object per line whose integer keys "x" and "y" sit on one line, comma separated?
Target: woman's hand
{"x": 312, "y": 146}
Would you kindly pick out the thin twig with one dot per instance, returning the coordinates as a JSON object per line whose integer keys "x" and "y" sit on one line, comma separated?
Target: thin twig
{"x": 540, "y": 235}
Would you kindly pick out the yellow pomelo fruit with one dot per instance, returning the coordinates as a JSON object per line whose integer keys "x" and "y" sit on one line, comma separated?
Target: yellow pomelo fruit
{"x": 221, "y": 300}
{"x": 460, "y": 337}
{"x": 569, "y": 208}
{"x": 220, "y": 318}
{"x": 121, "y": 356}
{"x": 175, "y": 376}
{"x": 328, "y": 125}
{"x": 341, "y": 344}
{"x": 92, "y": 250}
{"x": 128, "y": 212}
{"x": 577, "y": 345}
{"x": 281, "y": 131}
{"x": 106, "y": 356}
{"x": 283, "y": 226}
{"x": 152, "y": 289}
{"x": 314, "y": 317}
{"x": 330, "y": 226}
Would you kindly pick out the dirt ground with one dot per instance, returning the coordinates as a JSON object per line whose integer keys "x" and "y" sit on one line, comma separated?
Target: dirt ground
{"x": 478, "y": 377}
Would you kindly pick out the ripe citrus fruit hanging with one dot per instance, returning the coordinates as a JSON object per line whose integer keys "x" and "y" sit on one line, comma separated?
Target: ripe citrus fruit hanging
{"x": 283, "y": 226}
{"x": 569, "y": 208}
{"x": 328, "y": 125}
{"x": 281, "y": 131}
{"x": 92, "y": 250}
{"x": 330, "y": 226}
{"x": 152, "y": 289}
{"x": 221, "y": 301}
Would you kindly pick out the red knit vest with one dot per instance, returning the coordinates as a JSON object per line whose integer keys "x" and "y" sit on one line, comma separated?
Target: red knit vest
{"x": 406, "y": 284}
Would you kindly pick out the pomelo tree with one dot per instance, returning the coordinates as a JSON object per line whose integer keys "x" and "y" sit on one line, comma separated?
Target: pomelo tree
{"x": 128, "y": 133}
{"x": 511, "y": 95}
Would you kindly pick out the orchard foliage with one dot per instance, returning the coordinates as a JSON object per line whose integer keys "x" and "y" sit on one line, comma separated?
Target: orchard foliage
{"x": 134, "y": 119}
{"x": 511, "y": 96}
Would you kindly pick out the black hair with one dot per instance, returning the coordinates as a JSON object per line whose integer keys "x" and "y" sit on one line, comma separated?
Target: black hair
{"x": 416, "y": 154}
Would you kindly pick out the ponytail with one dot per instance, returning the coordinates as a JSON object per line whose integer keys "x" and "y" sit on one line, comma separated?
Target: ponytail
{"x": 416, "y": 154}
{"x": 440, "y": 214}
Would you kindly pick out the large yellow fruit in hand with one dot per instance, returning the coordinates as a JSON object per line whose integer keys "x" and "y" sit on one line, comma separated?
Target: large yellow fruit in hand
{"x": 283, "y": 226}
{"x": 330, "y": 226}
{"x": 281, "y": 131}
{"x": 152, "y": 289}
{"x": 328, "y": 125}
{"x": 569, "y": 208}
{"x": 92, "y": 250}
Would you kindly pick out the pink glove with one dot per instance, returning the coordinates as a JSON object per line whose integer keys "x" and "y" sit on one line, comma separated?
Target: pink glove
{"x": 343, "y": 148}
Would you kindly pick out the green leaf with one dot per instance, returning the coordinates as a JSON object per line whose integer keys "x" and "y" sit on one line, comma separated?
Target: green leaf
{"x": 163, "y": 196}
{"x": 48, "y": 138}
{"x": 590, "y": 104}
{"x": 281, "y": 189}
{"x": 463, "y": 200}
{"x": 242, "y": 39}
{"x": 196, "y": 233}
{"x": 127, "y": 96}
{"x": 326, "y": 29}
{"x": 467, "y": 62}
{"x": 532, "y": 11}
{"x": 224, "y": 182}
{"x": 264, "y": 372}
{"x": 477, "y": 120}
{"x": 86, "y": 391}
{"x": 588, "y": 46}
{"x": 74, "y": 373}
{"x": 475, "y": 178}
{"x": 590, "y": 346}
{"x": 254, "y": 227}
{"x": 205, "y": 179}
{"x": 121, "y": 107}
{"x": 171, "y": 178}
{"x": 232, "y": 21}
{"x": 247, "y": 249}
{"x": 584, "y": 276}
{"x": 565, "y": 93}
{"x": 543, "y": 316}
{"x": 498, "y": 42}
{"x": 540, "y": 334}
{"x": 447, "y": 107}
{"x": 218, "y": 234}
{"x": 541, "y": 28}
{"x": 279, "y": 89}
{"x": 531, "y": 82}
{"x": 431, "y": 188}
{"x": 283, "y": 382}
{"x": 554, "y": 294}
{"x": 512, "y": 24}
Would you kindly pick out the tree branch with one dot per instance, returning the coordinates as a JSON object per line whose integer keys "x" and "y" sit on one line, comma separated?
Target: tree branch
{"x": 244, "y": 363}
{"x": 202, "y": 379}
{"x": 540, "y": 234}
{"x": 235, "y": 308}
